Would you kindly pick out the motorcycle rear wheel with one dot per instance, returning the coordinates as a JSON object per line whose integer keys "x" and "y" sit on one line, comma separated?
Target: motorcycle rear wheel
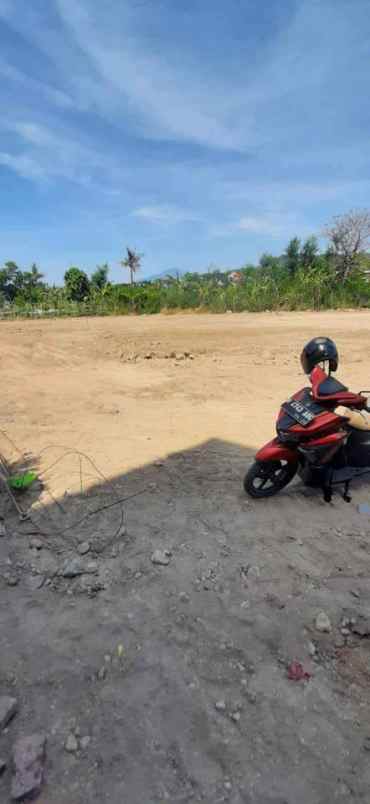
{"x": 266, "y": 478}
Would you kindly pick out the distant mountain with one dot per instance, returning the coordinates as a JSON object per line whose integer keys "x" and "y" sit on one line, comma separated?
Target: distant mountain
{"x": 173, "y": 272}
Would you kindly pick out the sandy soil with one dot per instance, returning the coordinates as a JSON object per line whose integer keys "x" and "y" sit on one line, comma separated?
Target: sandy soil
{"x": 238, "y": 599}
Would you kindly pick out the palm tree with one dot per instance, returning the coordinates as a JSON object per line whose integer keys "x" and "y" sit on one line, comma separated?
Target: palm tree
{"x": 132, "y": 263}
{"x": 35, "y": 276}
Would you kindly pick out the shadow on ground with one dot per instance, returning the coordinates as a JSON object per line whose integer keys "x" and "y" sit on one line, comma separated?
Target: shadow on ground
{"x": 177, "y": 673}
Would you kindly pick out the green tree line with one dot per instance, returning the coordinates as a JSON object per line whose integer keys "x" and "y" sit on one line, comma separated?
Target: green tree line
{"x": 303, "y": 277}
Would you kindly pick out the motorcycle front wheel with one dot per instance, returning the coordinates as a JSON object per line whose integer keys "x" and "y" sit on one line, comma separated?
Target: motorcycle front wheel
{"x": 266, "y": 478}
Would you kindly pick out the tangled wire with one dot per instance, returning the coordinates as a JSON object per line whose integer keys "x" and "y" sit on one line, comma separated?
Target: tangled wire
{"x": 43, "y": 501}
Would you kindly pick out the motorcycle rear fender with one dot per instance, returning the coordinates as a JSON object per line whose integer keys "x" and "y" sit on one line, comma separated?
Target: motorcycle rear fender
{"x": 276, "y": 451}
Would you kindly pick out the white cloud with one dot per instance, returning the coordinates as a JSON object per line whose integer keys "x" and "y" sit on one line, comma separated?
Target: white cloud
{"x": 273, "y": 226}
{"x": 259, "y": 224}
{"x": 112, "y": 63}
{"x": 280, "y": 194}
{"x": 24, "y": 165}
{"x": 164, "y": 214}
{"x": 52, "y": 94}
{"x": 167, "y": 102}
{"x": 46, "y": 154}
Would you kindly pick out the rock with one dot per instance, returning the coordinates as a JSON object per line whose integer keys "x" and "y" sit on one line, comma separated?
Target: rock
{"x": 71, "y": 744}
{"x": 2, "y": 528}
{"x": 85, "y": 742}
{"x": 8, "y": 708}
{"x": 161, "y": 557}
{"x": 367, "y": 743}
{"x": 102, "y": 674}
{"x": 138, "y": 575}
{"x": 91, "y": 568}
{"x": 36, "y": 544}
{"x": 35, "y": 582}
{"x": 311, "y": 649}
{"x": 235, "y": 716}
{"x": 220, "y": 706}
{"x": 11, "y": 579}
{"x": 180, "y": 356}
{"x": 361, "y": 627}
{"x": 2, "y": 766}
{"x": 28, "y": 758}
{"x": 322, "y": 623}
{"x": 345, "y": 631}
{"x": 83, "y": 548}
{"x": 72, "y": 568}
{"x": 228, "y": 786}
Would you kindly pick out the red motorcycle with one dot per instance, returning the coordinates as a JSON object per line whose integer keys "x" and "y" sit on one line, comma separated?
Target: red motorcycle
{"x": 312, "y": 440}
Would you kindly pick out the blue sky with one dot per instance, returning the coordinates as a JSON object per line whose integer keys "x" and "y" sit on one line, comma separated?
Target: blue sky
{"x": 200, "y": 133}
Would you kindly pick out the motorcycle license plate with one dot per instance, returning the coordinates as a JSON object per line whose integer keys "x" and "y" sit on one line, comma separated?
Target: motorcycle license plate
{"x": 299, "y": 412}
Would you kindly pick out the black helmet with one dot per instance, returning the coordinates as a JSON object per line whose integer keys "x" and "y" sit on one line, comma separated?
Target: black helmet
{"x": 317, "y": 351}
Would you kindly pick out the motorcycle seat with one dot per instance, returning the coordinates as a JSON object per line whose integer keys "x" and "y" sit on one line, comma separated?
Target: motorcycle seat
{"x": 330, "y": 386}
{"x": 327, "y": 389}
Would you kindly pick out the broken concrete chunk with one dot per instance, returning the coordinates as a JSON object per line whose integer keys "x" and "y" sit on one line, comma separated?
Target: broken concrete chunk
{"x": 322, "y": 623}
{"x": 72, "y": 568}
{"x": 28, "y": 758}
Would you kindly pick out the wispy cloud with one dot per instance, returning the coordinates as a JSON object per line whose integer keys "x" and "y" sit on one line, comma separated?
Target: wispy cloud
{"x": 280, "y": 194}
{"x": 43, "y": 154}
{"x": 52, "y": 94}
{"x": 254, "y": 120}
{"x": 164, "y": 214}
{"x": 24, "y": 165}
{"x": 261, "y": 225}
{"x": 168, "y": 101}
{"x": 269, "y": 226}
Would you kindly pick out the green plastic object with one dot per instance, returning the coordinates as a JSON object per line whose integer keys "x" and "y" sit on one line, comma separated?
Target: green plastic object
{"x": 22, "y": 482}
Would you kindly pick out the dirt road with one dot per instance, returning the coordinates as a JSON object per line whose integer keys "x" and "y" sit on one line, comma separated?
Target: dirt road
{"x": 195, "y": 705}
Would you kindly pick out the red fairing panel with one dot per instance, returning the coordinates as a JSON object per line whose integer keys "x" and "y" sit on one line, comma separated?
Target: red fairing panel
{"x": 328, "y": 440}
{"x": 275, "y": 451}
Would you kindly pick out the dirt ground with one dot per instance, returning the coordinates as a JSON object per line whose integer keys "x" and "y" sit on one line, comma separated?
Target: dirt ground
{"x": 178, "y": 673}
